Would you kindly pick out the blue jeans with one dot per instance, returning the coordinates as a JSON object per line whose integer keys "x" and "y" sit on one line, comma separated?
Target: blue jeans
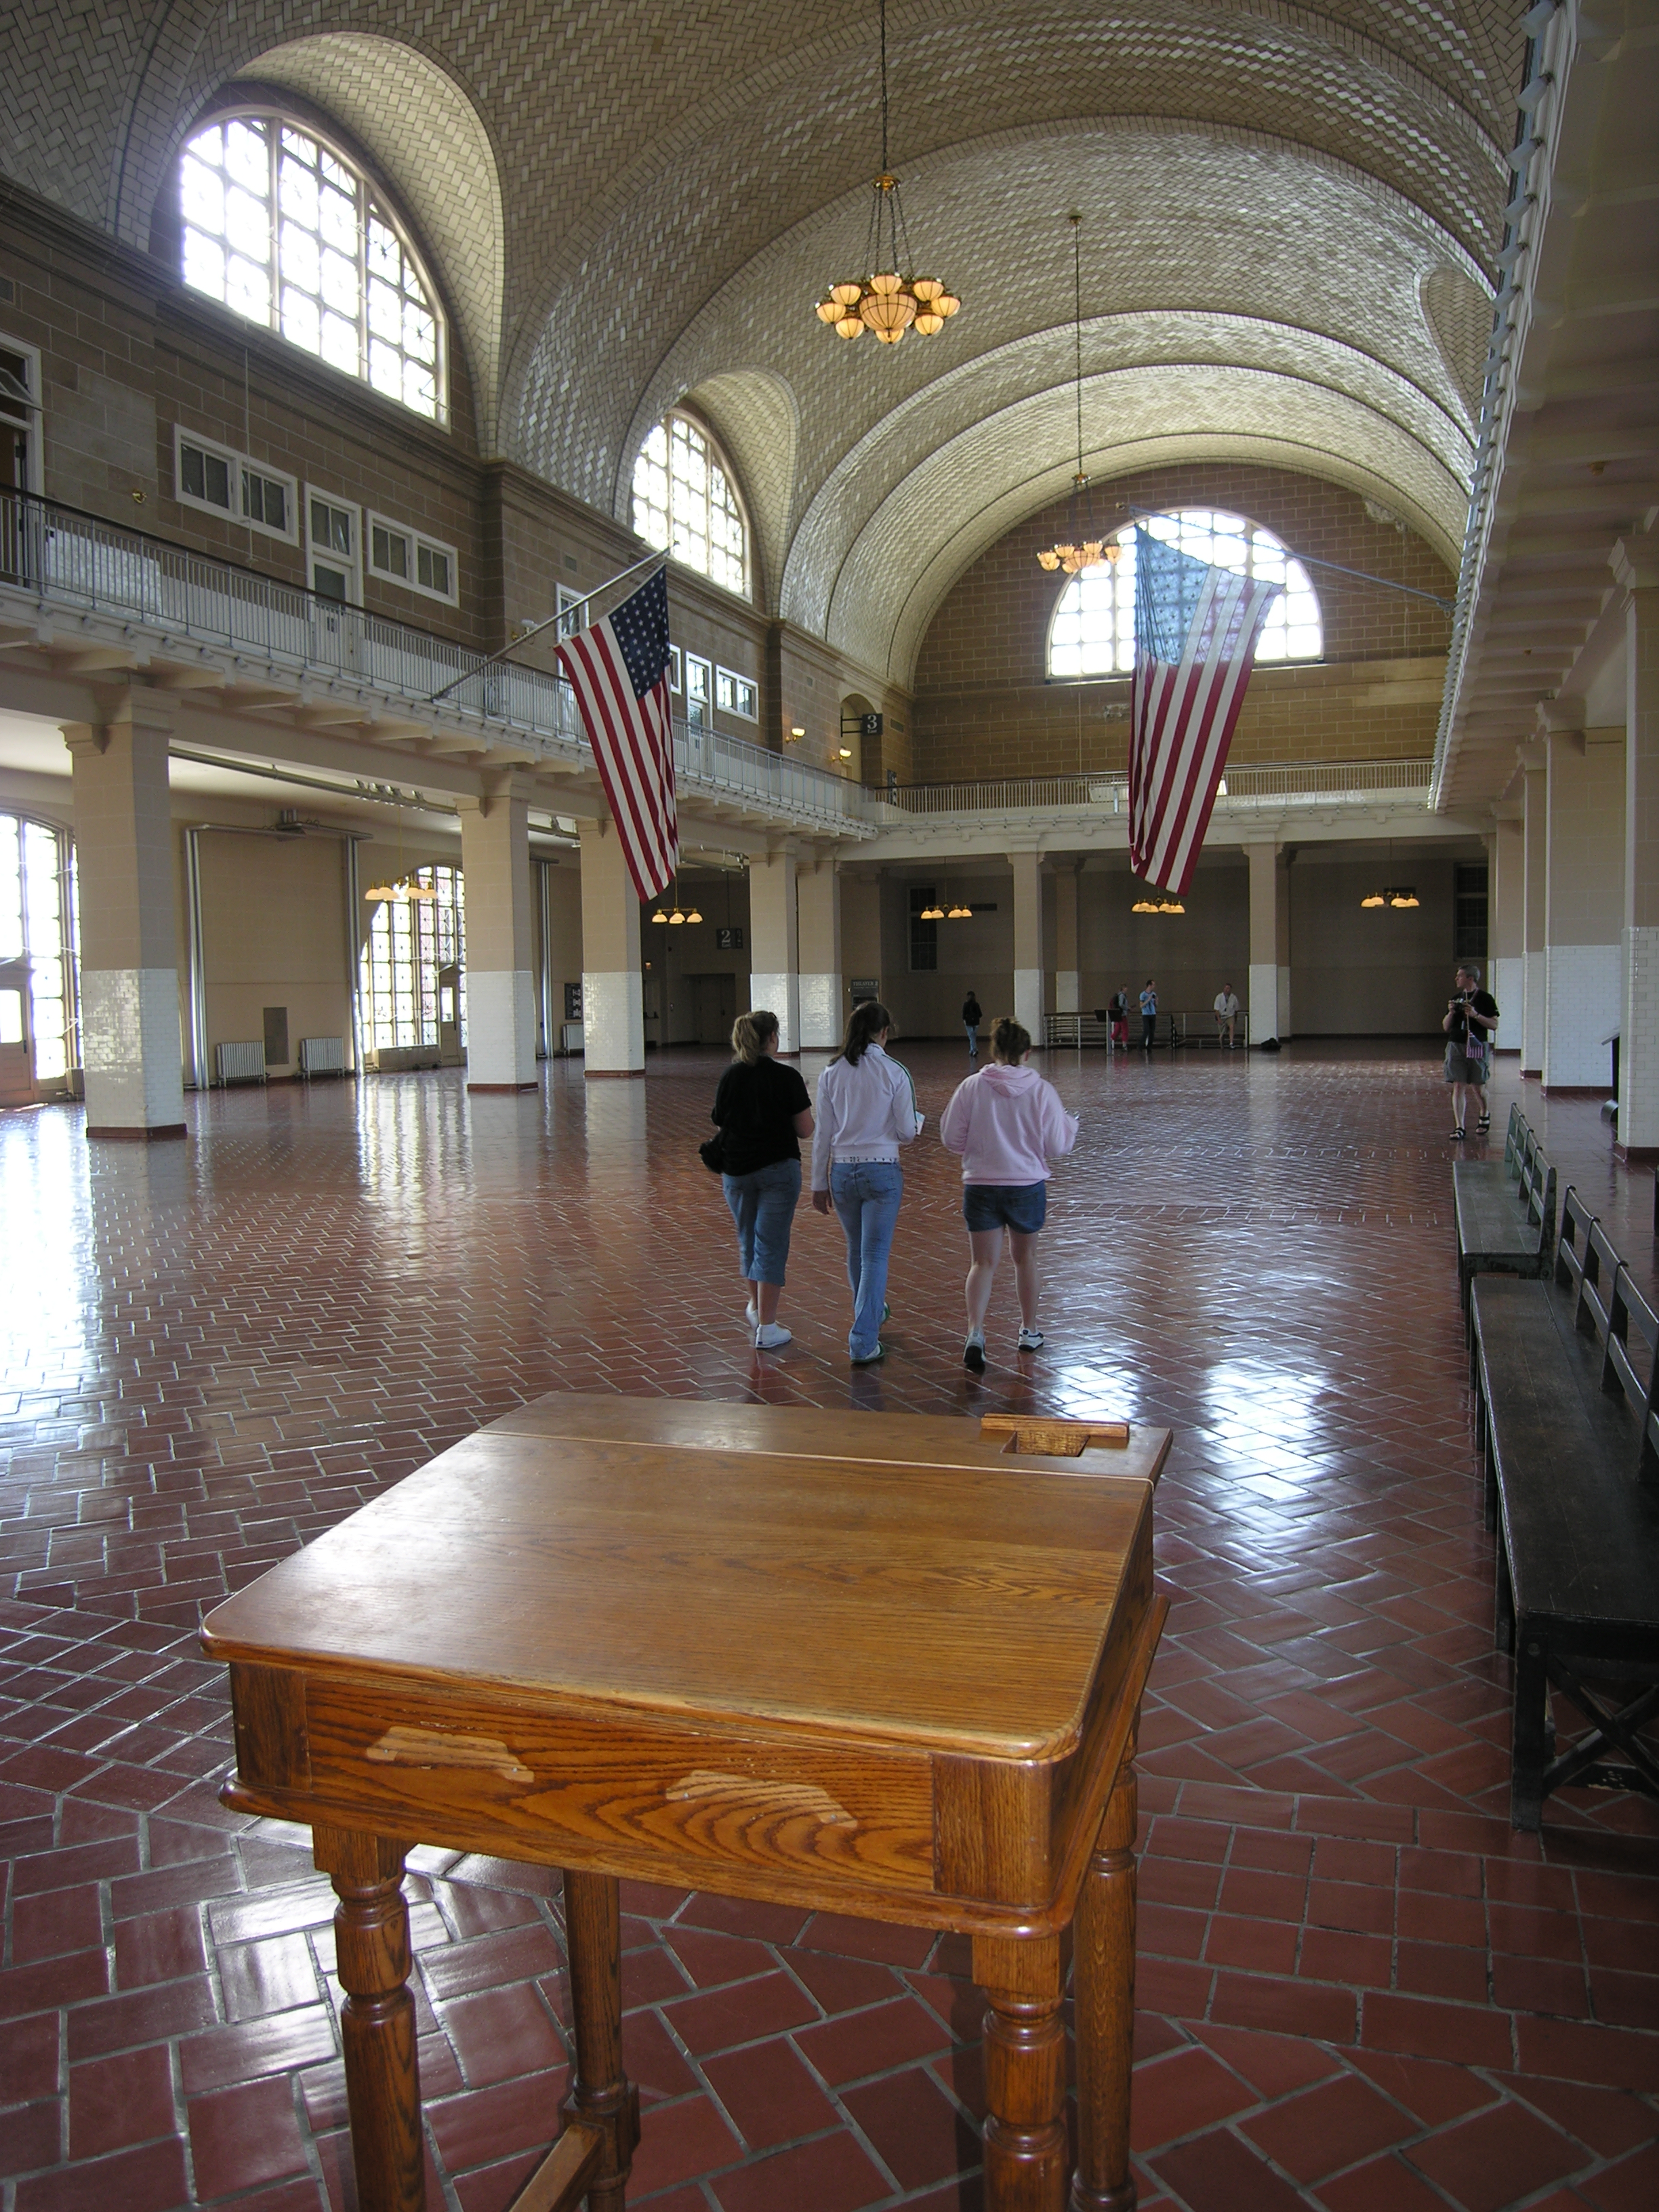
{"x": 867, "y": 1193}
{"x": 972, "y": 1028}
{"x": 763, "y": 1206}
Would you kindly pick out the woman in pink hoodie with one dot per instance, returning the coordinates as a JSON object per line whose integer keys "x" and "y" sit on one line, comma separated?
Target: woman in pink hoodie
{"x": 1006, "y": 1122}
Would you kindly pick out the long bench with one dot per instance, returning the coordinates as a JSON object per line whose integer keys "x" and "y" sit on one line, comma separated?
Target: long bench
{"x": 1505, "y": 1211}
{"x": 1569, "y": 1429}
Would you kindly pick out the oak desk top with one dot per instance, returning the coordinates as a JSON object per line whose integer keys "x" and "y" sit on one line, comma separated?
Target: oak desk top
{"x": 713, "y": 1666}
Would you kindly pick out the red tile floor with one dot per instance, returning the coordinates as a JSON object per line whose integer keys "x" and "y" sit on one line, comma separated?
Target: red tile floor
{"x": 1359, "y": 1988}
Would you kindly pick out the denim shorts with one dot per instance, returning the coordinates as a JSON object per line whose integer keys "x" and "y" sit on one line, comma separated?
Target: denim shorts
{"x": 1021, "y": 1206}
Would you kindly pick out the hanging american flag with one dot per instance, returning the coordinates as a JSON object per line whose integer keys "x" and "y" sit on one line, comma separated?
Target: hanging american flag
{"x": 619, "y": 668}
{"x": 1195, "y": 634}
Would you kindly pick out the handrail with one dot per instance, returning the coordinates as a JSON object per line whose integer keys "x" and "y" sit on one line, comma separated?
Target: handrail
{"x": 63, "y": 557}
{"x": 1108, "y": 790}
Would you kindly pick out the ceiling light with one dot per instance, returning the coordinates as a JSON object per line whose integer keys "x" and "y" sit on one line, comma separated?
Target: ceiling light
{"x": 1143, "y": 906}
{"x": 1404, "y": 895}
{"x": 935, "y": 912}
{"x": 845, "y": 753}
{"x": 659, "y": 915}
{"x": 960, "y": 914}
{"x": 887, "y": 301}
{"x": 1167, "y": 905}
{"x": 796, "y": 732}
{"x": 1373, "y": 898}
{"x": 1086, "y": 551}
{"x": 693, "y": 914}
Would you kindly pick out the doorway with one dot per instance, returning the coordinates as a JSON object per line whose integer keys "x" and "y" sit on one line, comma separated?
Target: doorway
{"x": 450, "y": 1054}
{"x": 713, "y": 1006}
{"x": 17, "y": 1061}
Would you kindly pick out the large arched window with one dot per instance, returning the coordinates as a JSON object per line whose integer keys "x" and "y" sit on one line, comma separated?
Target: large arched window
{"x": 1093, "y": 630}
{"x": 282, "y": 228}
{"x": 686, "y": 502}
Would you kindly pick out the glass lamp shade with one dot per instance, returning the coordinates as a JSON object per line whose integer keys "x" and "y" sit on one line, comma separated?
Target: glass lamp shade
{"x": 694, "y": 915}
{"x": 677, "y": 920}
{"x": 847, "y": 294}
{"x": 1373, "y": 898}
{"x": 932, "y": 914}
{"x": 1170, "y": 906}
{"x": 659, "y": 915}
{"x": 887, "y": 308}
{"x": 409, "y": 888}
{"x": 1143, "y": 906}
{"x": 829, "y": 310}
{"x": 960, "y": 914}
{"x": 1049, "y": 558}
{"x": 382, "y": 891}
{"x": 849, "y": 327}
{"x": 1405, "y": 899}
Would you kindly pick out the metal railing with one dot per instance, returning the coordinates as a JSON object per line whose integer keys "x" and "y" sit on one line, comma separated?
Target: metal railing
{"x": 62, "y": 558}
{"x": 1110, "y": 793}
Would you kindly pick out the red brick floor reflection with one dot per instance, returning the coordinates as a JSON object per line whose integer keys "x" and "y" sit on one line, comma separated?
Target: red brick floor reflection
{"x": 1358, "y": 1989}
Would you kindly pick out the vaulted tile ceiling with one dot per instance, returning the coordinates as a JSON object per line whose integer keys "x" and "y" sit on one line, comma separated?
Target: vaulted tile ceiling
{"x": 1289, "y": 214}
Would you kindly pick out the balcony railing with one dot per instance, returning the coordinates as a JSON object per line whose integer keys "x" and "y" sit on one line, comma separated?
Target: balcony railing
{"x": 62, "y": 558}
{"x": 1266, "y": 783}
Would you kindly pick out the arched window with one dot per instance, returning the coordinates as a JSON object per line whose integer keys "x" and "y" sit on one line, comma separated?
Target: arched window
{"x": 684, "y": 501}
{"x": 1093, "y": 630}
{"x": 409, "y": 942}
{"x": 282, "y": 228}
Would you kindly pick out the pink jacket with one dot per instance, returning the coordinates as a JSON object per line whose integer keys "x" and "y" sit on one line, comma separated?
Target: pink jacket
{"x": 1005, "y": 1122}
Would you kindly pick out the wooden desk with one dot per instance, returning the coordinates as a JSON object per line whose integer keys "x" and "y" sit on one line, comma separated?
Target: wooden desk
{"x": 905, "y": 1690}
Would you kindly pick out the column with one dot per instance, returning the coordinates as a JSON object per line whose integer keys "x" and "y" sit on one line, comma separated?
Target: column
{"x": 774, "y": 944}
{"x": 1506, "y": 919}
{"x": 130, "y": 1029}
{"x": 1534, "y": 760}
{"x": 1583, "y": 904}
{"x": 1268, "y": 1004}
{"x": 1068, "y": 976}
{"x": 499, "y": 975}
{"x": 1028, "y": 941}
{"x": 818, "y": 907}
{"x": 613, "y": 1000}
{"x": 1636, "y": 565}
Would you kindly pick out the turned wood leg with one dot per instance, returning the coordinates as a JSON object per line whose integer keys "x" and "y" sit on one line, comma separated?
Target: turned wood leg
{"x": 1104, "y": 1984}
{"x": 377, "y": 2022}
{"x": 1025, "y": 2156}
{"x": 600, "y": 2093}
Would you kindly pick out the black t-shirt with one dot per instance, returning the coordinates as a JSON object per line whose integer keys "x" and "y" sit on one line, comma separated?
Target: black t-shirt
{"x": 971, "y": 1010}
{"x": 757, "y": 1105}
{"x": 1483, "y": 1003}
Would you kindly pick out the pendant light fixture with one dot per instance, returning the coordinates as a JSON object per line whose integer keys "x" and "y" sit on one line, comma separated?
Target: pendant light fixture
{"x": 406, "y": 886}
{"x": 1086, "y": 551}
{"x": 1400, "y": 897}
{"x": 890, "y": 300}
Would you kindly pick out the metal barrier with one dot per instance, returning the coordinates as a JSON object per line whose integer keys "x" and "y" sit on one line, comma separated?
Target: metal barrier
{"x": 1245, "y": 787}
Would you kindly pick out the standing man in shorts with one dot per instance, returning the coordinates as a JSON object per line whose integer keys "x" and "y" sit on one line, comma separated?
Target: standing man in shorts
{"x": 1471, "y": 1019}
{"x": 1226, "y": 1016}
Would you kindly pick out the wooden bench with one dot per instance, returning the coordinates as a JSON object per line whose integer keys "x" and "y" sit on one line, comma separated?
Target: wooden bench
{"x": 1570, "y": 1436}
{"x": 1504, "y": 1229}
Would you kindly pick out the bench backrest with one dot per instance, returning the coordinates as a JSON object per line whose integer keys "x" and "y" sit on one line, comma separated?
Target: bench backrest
{"x": 1630, "y": 1360}
{"x": 1513, "y": 1137}
{"x": 1538, "y": 1189}
{"x": 1574, "y": 1259}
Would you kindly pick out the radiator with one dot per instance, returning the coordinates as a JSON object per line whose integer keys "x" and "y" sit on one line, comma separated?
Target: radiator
{"x": 240, "y": 1063}
{"x": 322, "y": 1056}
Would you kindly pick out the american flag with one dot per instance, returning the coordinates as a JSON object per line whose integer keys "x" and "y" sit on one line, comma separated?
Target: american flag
{"x": 619, "y": 668}
{"x": 1195, "y": 634}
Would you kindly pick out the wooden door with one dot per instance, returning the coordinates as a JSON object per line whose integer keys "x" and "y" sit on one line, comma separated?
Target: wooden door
{"x": 16, "y": 1060}
{"x": 716, "y": 1005}
{"x": 449, "y": 1017}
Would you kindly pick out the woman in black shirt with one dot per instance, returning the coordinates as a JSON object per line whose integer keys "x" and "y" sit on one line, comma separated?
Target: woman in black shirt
{"x": 762, "y": 1111}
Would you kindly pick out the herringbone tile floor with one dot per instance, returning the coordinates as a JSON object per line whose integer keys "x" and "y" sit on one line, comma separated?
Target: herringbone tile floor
{"x": 1359, "y": 1989}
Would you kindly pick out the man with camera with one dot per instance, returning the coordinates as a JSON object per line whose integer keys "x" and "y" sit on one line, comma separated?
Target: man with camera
{"x": 1471, "y": 1020}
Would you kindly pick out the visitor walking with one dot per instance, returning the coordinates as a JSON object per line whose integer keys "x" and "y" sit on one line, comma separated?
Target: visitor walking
{"x": 972, "y": 1016}
{"x": 866, "y": 1108}
{"x": 1149, "y": 1015}
{"x": 761, "y": 1111}
{"x": 1471, "y": 1019}
{"x": 1226, "y": 1016}
{"x": 1117, "y": 1013}
{"x": 1006, "y": 1121}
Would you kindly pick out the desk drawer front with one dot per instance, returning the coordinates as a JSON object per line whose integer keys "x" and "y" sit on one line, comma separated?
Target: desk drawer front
{"x": 706, "y": 1796}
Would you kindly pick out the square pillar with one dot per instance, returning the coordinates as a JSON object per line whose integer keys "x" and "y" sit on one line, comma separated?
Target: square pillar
{"x": 1268, "y": 1004}
{"x": 1636, "y": 566}
{"x": 130, "y": 1043}
{"x": 1068, "y": 972}
{"x": 500, "y": 973}
{"x": 1583, "y": 909}
{"x": 613, "y": 997}
{"x": 1506, "y": 922}
{"x": 774, "y": 944}
{"x": 1535, "y": 832}
{"x": 1028, "y": 941}
{"x": 818, "y": 907}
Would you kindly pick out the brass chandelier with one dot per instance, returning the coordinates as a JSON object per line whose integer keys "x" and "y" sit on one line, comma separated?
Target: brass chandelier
{"x": 1087, "y": 552}
{"x": 888, "y": 302}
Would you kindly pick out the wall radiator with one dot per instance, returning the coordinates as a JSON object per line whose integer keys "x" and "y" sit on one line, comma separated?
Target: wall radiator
{"x": 322, "y": 1056}
{"x": 240, "y": 1063}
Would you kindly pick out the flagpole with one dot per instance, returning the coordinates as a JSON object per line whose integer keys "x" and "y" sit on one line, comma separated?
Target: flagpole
{"x": 524, "y": 637}
{"x": 1310, "y": 560}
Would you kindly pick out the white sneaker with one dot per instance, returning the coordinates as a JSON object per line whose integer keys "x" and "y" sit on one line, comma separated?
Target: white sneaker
{"x": 1030, "y": 1340}
{"x": 770, "y": 1335}
{"x": 751, "y": 1315}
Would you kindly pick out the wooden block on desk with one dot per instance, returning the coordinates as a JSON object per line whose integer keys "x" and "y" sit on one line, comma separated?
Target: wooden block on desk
{"x": 1053, "y": 1435}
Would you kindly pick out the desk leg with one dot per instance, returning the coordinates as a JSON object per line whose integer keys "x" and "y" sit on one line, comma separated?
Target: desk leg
{"x": 1025, "y": 2159}
{"x": 600, "y": 2093}
{"x": 377, "y": 2021}
{"x": 1104, "y": 1986}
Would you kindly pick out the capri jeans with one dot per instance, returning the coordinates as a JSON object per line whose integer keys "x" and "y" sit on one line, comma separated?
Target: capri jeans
{"x": 867, "y": 1193}
{"x": 763, "y": 1207}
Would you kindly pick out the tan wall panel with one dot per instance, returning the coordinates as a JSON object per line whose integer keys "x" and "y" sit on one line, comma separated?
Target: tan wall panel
{"x": 273, "y": 929}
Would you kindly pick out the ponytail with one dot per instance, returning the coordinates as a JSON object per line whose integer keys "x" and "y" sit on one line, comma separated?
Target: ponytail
{"x": 749, "y": 1034}
{"x": 863, "y": 1026}
{"x": 1010, "y": 1039}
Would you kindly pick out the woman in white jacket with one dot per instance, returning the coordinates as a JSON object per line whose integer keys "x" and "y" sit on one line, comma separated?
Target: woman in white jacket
{"x": 866, "y": 1108}
{"x": 1008, "y": 1123}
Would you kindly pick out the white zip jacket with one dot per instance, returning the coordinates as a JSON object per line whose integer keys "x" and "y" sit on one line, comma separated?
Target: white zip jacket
{"x": 866, "y": 1110}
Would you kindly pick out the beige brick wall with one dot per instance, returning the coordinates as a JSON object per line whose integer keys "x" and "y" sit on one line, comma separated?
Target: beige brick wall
{"x": 983, "y": 708}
